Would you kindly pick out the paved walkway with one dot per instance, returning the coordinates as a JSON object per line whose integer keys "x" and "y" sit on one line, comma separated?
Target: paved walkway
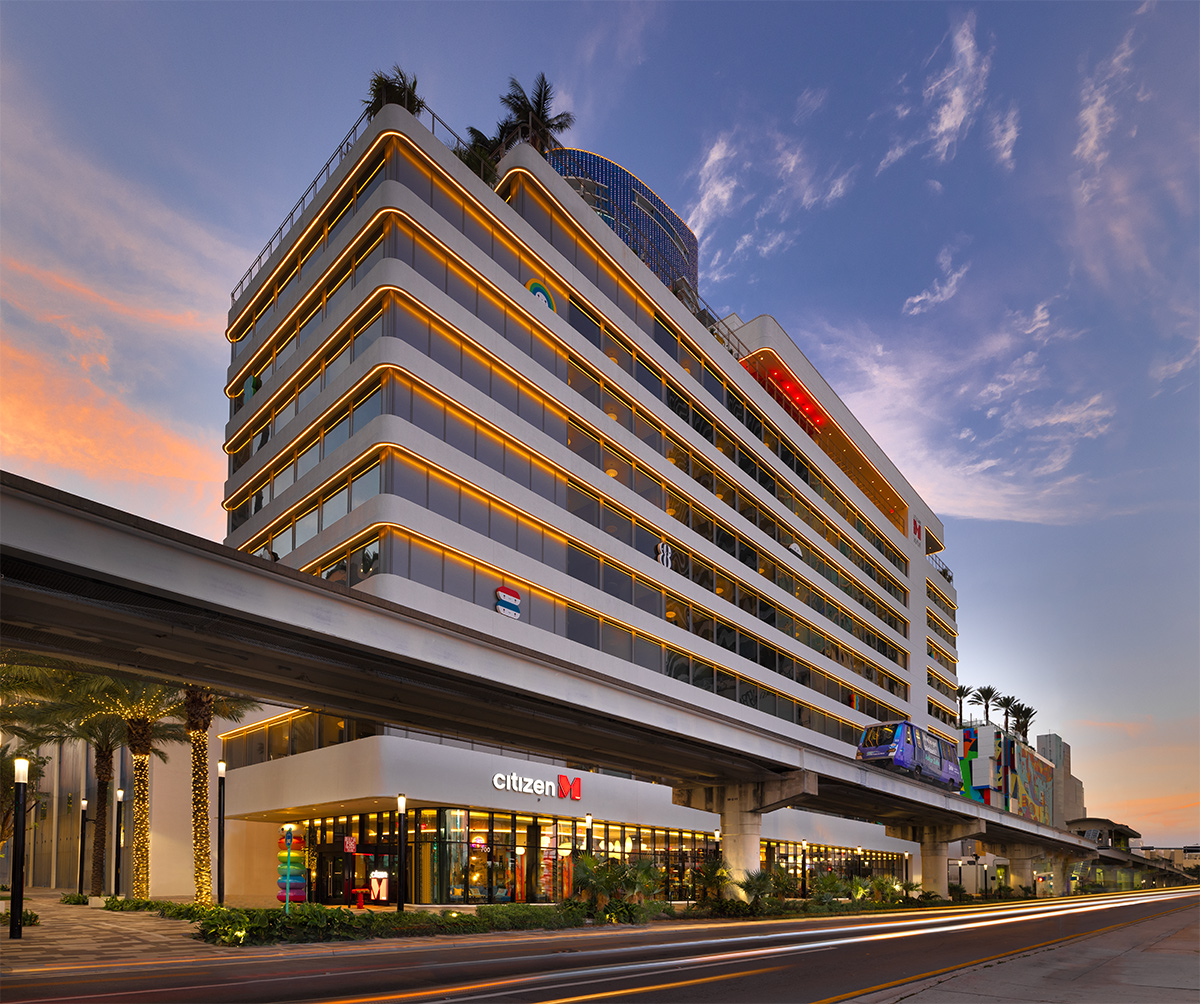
{"x": 1154, "y": 962}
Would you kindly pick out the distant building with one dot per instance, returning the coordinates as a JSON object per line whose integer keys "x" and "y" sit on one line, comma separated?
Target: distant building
{"x": 1068, "y": 789}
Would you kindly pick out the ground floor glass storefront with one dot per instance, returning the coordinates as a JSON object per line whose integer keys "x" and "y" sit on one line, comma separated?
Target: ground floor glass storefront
{"x": 457, "y": 855}
{"x": 460, "y": 855}
{"x": 800, "y": 857}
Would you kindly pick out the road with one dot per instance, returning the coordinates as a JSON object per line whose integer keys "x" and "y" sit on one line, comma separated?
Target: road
{"x": 793, "y": 961}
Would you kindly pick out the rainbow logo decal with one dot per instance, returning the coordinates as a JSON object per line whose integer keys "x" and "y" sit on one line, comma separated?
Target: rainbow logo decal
{"x": 542, "y": 293}
{"x": 508, "y": 602}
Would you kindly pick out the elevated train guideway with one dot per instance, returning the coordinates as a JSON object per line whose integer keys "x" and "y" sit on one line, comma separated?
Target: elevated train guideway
{"x": 81, "y": 583}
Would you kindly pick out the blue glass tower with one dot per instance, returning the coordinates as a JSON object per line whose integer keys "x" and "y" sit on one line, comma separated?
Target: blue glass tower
{"x": 640, "y": 218}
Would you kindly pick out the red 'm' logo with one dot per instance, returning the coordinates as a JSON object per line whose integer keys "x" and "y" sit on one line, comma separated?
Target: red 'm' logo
{"x": 568, "y": 788}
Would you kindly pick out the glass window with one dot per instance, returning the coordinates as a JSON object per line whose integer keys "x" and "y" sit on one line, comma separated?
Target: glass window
{"x": 337, "y": 434}
{"x": 281, "y": 543}
{"x": 310, "y": 323}
{"x": 308, "y": 394}
{"x": 365, "y": 486}
{"x": 582, "y": 627}
{"x": 616, "y": 641}
{"x": 306, "y": 526}
{"x": 307, "y": 460}
{"x": 647, "y": 653}
{"x": 368, "y": 408}
{"x": 335, "y": 365}
{"x": 367, "y": 334}
{"x": 282, "y": 480}
{"x": 364, "y": 562}
{"x": 368, "y": 261}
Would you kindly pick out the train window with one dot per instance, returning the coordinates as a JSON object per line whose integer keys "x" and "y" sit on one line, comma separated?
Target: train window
{"x": 878, "y": 735}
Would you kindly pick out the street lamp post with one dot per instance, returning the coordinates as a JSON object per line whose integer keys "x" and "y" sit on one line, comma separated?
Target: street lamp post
{"x": 16, "y": 904}
{"x": 119, "y": 844}
{"x": 401, "y": 871}
{"x": 804, "y": 869}
{"x": 587, "y": 828}
{"x": 83, "y": 821}
{"x": 220, "y": 833}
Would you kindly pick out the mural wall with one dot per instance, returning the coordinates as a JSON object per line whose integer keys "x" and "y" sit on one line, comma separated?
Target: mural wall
{"x": 1001, "y": 771}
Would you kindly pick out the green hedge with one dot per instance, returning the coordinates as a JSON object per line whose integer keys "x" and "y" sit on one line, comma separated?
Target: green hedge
{"x": 307, "y": 922}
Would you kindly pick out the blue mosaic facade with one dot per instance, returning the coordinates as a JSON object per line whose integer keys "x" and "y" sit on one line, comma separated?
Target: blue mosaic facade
{"x": 639, "y": 217}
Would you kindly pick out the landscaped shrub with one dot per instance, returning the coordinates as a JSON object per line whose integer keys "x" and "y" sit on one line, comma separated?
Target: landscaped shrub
{"x": 29, "y": 919}
{"x": 309, "y": 922}
{"x": 73, "y": 899}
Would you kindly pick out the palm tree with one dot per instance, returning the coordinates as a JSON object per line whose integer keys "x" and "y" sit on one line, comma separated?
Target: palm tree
{"x": 1022, "y": 718}
{"x": 985, "y": 696}
{"x": 1008, "y": 704}
{"x": 533, "y": 116}
{"x": 962, "y": 694}
{"x": 482, "y": 153}
{"x": 199, "y": 707}
{"x": 46, "y": 705}
{"x": 148, "y": 710}
{"x": 756, "y": 885}
{"x": 712, "y": 875}
{"x": 396, "y": 88}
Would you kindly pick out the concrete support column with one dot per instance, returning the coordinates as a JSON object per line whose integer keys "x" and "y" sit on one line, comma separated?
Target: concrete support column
{"x": 935, "y": 860}
{"x": 741, "y": 805}
{"x": 1020, "y": 872}
{"x": 1061, "y": 875}
{"x": 741, "y": 834}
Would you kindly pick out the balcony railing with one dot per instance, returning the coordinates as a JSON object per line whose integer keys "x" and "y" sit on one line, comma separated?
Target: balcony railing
{"x": 941, "y": 567}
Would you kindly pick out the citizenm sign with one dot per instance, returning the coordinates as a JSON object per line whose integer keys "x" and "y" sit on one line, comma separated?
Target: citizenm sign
{"x": 565, "y": 787}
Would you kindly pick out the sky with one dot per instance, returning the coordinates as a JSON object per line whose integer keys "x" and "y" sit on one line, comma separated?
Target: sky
{"x": 979, "y": 222}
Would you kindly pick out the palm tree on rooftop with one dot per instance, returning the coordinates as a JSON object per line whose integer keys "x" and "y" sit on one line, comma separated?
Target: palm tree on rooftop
{"x": 533, "y": 114}
{"x": 200, "y": 705}
{"x": 1023, "y": 716}
{"x": 985, "y": 696}
{"x": 962, "y": 694}
{"x": 483, "y": 151}
{"x": 395, "y": 88}
{"x": 1008, "y": 704}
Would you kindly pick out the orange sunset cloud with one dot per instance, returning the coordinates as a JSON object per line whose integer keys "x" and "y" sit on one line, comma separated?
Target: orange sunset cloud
{"x": 53, "y": 417}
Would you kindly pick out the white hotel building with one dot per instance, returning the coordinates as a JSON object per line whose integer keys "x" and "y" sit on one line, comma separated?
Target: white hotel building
{"x": 480, "y": 403}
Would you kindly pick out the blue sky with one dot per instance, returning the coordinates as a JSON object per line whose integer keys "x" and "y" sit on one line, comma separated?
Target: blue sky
{"x": 979, "y": 222}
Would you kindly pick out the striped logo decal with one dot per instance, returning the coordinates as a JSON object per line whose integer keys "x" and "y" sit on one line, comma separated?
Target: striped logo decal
{"x": 508, "y": 602}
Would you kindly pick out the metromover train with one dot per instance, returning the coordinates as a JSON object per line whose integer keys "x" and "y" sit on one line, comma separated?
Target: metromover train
{"x": 902, "y": 747}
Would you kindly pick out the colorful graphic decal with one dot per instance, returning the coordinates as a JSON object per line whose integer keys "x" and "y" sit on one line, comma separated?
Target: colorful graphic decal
{"x": 508, "y": 602}
{"x": 542, "y": 293}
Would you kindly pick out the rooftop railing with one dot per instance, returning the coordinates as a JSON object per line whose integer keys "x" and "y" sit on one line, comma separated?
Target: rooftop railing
{"x": 331, "y": 165}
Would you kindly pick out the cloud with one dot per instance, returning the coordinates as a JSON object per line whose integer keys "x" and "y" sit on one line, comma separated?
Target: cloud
{"x": 1133, "y": 202}
{"x": 771, "y": 170}
{"x": 1002, "y": 136}
{"x": 112, "y": 308}
{"x": 717, "y": 186}
{"x": 942, "y": 289}
{"x": 980, "y": 424}
{"x": 1098, "y": 114}
{"x": 57, "y": 425}
{"x": 809, "y": 103}
{"x": 951, "y": 98}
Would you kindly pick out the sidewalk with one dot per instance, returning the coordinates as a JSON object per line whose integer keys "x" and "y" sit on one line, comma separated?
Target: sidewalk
{"x": 79, "y": 939}
{"x": 1154, "y": 962}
